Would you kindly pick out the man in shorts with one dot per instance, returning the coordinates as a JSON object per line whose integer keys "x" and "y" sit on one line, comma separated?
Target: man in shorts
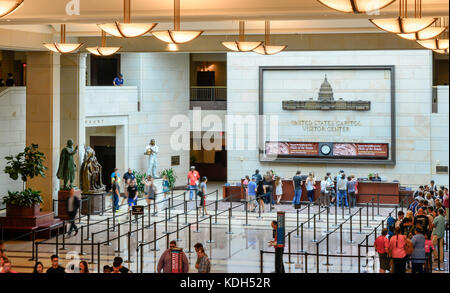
{"x": 252, "y": 194}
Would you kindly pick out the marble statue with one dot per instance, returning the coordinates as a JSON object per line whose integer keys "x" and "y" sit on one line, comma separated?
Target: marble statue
{"x": 67, "y": 167}
{"x": 152, "y": 151}
{"x": 91, "y": 173}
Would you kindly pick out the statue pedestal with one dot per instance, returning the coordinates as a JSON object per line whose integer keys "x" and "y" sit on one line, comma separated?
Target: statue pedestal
{"x": 93, "y": 204}
{"x": 63, "y": 195}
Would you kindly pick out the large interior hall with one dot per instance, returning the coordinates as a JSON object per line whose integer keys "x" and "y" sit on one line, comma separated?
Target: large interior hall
{"x": 250, "y": 137}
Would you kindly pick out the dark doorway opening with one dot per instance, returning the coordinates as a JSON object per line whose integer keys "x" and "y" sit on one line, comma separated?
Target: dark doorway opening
{"x": 206, "y": 78}
{"x": 105, "y": 150}
{"x": 104, "y": 70}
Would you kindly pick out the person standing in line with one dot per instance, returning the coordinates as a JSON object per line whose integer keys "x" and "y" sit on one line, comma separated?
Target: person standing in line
{"x": 116, "y": 193}
{"x": 342, "y": 191}
{"x": 418, "y": 255}
{"x": 433, "y": 188}
{"x": 332, "y": 191}
{"x": 298, "y": 184}
{"x": 114, "y": 175}
{"x": 118, "y": 80}
{"x": 150, "y": 191}
{"x": 278, "y": 189}
{"x": 118, "y": 262}
{"x": 202, "y": 193}
{"x": 382, "y": 247}
{"x": 438, "y": 236}
{"x": 351, "y": 188}
{"x": 257, "y": 176}
{"x": 279, "y": 250}
{"x": 197, "y": 246}
{"x": 310, "y": 187}
{"x": 429, "y": 248}
{"x": 165, "y": 261}
{"x": 204, "y": 265}
{"x": 397, "y": 251}
{"x": 166, "y": 186}
{"x": 55, "y": 268}
{"x": 73, "y": 204}
{"x": 324, "y": 197}
{"x": 252, "y": 189}
{"x": 132, "y": 195}
{"x": 128, "y": 177}
{"x": 445, "y": 203}
{"x": 260, "y": 194}
{"x": 268, "y": 188}
{"x": 193, "y": 178}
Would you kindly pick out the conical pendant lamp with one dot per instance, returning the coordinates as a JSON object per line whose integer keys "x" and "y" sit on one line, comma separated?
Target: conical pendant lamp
{"x": 9, "y": 6}
{"x": 126, "y": 29}
{"x": 402, "y": 24}
{"x": 177, "y": 36}
{"x": 63, "y": 47}
{"x": 103, "y": 50}
{"x": 356, "y": 6}
{"x": 241, "y": 45}
{"x": 267, "y": 48}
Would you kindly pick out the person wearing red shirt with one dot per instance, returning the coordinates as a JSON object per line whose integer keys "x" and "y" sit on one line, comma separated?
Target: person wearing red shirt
{"x": 193, "y": 178}
{"x": 382, "y": 247}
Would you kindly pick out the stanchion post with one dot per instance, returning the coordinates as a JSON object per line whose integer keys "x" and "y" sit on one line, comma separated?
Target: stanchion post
{"x": 210, "y": 231}
{"x": 302, "y": 238}
{"x": 229, "y": 223}
{"x": 378, "y": 205}
{"x": 82, "y": 241}
{"x": 118, "y": 250}
{"x": 373, "y": 210}
{"x": 367, "y": 215}
{"x": 351, "y": 230}
{"x": 178, "y": 227}
{"x": 88, "y": 225}
{"x": 189, "y": 239}
{"x": 314, "y": 225}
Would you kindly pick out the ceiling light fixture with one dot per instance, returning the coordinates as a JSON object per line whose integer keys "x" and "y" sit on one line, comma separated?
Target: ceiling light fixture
{"x": 430, "y": 32}
{"x": 441, "y": 51}
{"x": 242, "y": 45}
{"x": 9, "y": 6}
{"x": 356, "y": 6}
{"x": 126, "y": 29}
{"x": 103, "y": 50}
{"x": 439, "y": 43}
{"x": 63, "y": 47}
{"x": 402, "y": 24}
{"x": 266, "y": 48}
{"x": 177, "y": 36}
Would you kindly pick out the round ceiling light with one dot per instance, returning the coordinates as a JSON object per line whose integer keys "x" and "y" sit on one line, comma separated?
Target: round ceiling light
{"x": 267, "y": 48}
{"x": 103, "y": 50}
{"x": 356, "y": 6}
{"x": 9, "y": 6}
{"x": 63, "y": 47}
{"x": 241, "y": 45}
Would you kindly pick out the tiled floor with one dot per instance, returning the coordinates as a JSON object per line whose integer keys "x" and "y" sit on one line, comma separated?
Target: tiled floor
{"x": 238, "y": 252}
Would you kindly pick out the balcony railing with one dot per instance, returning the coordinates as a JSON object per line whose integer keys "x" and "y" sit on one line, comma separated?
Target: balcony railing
{"x": 208, "y": 94}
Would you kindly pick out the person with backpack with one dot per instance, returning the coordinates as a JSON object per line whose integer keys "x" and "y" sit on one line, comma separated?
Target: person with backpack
{"x": 418, "y": 255}
{"x": 390, "y": 224}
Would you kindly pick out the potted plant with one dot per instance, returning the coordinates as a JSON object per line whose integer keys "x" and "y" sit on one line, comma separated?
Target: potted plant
{"x": 140, "y": 178}
{"x": 171, "y": 176}
{"x": 25, "y": 165}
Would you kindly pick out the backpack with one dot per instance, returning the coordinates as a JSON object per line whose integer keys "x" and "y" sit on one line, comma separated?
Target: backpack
{"x": 391, "y": 225}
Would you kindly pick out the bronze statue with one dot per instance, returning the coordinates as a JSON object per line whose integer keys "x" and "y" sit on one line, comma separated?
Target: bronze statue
{"x": 66, "y": 169}
{"x": 91, "y": 173}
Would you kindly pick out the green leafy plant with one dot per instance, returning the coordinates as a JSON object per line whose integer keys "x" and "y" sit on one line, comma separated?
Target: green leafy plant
{"x": 171, "y": 176}
{"x": 25, "y": 165}
{"x": 26, "y": 198}
{"x": 140, "y": 178}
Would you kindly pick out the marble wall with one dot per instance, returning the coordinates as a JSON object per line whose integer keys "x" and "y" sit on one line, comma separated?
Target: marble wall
{"x": 159, "y": 83}
{"x": 12, "y": 133}
{"x": 416, "y": 153}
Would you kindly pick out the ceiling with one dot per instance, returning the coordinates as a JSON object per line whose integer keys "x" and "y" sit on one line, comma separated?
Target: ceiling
{"x": 215, "y": 17}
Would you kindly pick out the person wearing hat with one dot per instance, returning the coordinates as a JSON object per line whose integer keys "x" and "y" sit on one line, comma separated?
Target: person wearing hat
{"x": 193, "y": 178}
{"x": 118, "y": 81}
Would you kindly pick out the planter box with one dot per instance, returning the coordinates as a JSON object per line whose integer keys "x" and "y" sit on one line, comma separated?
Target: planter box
{"x": 16, "y": 211}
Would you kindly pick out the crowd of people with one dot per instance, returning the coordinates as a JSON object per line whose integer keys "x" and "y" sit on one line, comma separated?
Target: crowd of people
{"x": 340, "y": 190}
{"x": 416, "y": 239}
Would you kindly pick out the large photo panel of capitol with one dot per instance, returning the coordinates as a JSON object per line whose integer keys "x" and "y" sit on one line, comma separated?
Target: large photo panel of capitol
{"x": 331, "y": 114}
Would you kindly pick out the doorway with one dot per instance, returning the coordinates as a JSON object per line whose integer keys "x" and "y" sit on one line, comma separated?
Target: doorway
{"x": 105, "y": 150}
{"x": 104, "y": 70}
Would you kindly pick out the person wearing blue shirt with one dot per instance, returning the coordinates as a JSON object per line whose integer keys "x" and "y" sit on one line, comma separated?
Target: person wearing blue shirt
{"x": 118, "y": 81}
{"x": 252, "y": 194}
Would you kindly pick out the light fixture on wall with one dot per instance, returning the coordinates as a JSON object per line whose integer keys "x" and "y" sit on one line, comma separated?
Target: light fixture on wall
{"x": 177, "y": 36}
{"x": 242, "y": 45}
{"x": 267, "y": 48}
{"x": 127, "y": 29}
{"x": 9, "y": 6}
{"x": 356, "y": 6}
{"x": 63, "y": 47}
{"x": 103, "y": 50}
{"x": 404, "y": 24}
{"x": 430, "y": 32}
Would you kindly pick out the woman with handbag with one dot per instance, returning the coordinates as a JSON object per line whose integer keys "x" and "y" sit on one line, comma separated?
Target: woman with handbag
{"x": 398, "y": 246}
